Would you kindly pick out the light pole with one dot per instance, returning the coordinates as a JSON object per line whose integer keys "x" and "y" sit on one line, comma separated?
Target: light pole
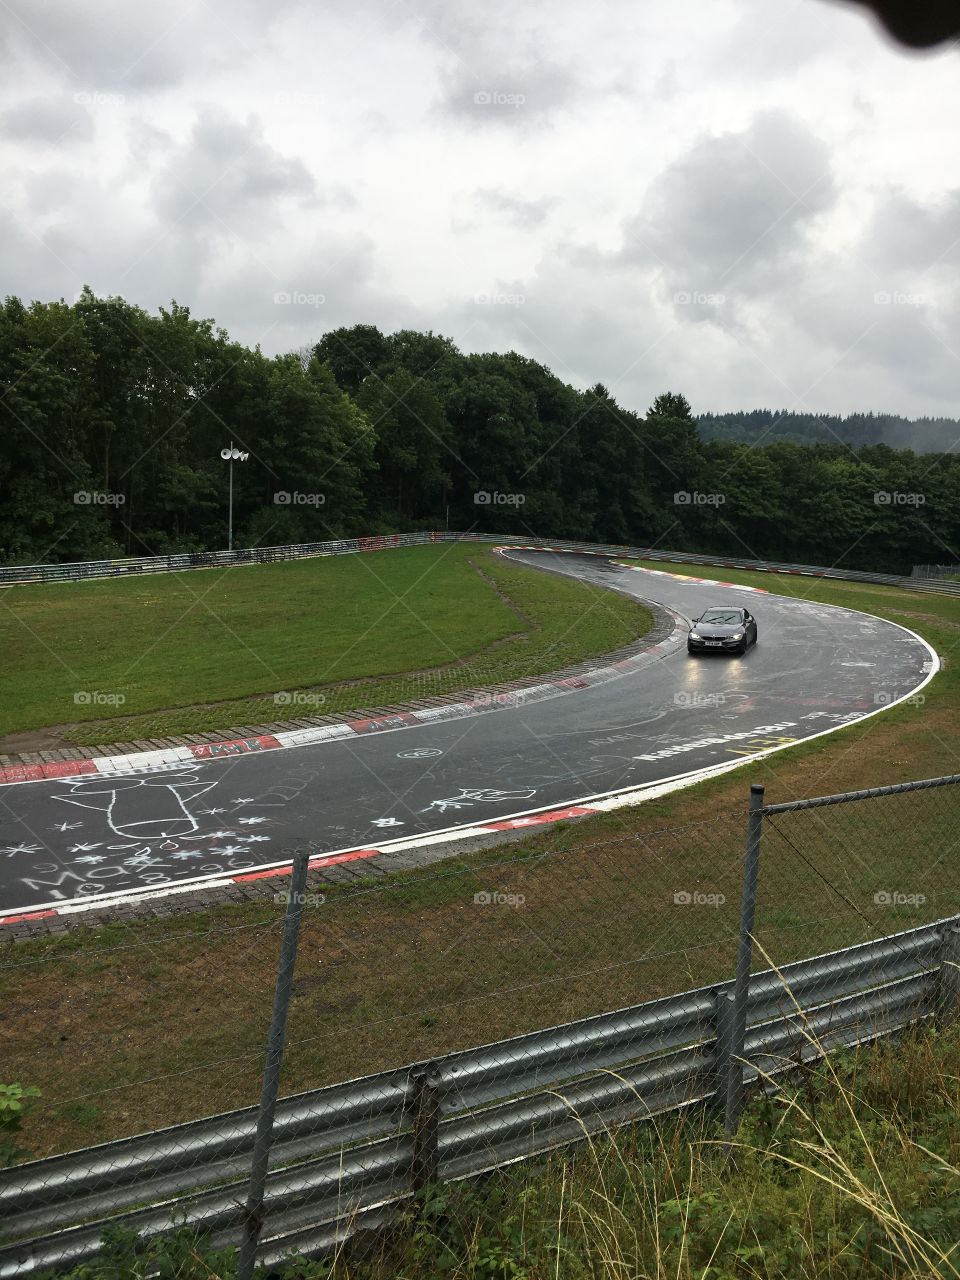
{"x": 232, "y": 455}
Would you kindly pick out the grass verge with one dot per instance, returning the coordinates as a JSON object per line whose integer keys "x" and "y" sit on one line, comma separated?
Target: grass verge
{"x": 191, "y": 652}
{"x": 852, "y": 1170}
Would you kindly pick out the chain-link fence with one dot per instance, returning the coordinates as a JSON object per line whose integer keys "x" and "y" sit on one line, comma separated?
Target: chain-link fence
{"x": 826, "y": 875}
{"x": 138, "y": 1027}
{"x": 951, "y": 571}
{"x": 158, "y": 1023}
{"x": 844, "y": 869}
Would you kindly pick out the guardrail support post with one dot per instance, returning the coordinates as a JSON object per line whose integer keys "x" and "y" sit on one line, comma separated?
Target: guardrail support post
{"x": 741, "y": 987}
{"x": 723, "y": 1044}
{"x": 947, "y": 987}
{"x": 253, "y": 1213}
{"x": 425, "y": 1160}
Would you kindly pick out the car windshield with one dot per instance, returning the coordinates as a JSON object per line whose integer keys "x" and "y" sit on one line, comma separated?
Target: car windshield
{"x": 722, "y": 617}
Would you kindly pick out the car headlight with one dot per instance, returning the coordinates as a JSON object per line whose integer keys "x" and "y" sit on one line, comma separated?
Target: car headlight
{"x": 738, "y": 636}
{"x": 695, "y": 636}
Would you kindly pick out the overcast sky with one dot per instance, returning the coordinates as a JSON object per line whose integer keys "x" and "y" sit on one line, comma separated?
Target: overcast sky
{"x": 754, "y": 202}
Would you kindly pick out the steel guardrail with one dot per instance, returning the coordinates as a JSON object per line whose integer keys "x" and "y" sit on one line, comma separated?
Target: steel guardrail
{"x": 85, "y": 570}
{"x": 348, "y": 1149}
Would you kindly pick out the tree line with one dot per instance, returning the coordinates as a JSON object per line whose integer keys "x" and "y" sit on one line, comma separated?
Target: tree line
{"x": 113, "y": 421}
{"x": 765, "y": 426}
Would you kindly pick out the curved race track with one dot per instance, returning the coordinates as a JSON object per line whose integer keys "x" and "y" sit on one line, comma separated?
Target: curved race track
{"x": 816, "y": 668}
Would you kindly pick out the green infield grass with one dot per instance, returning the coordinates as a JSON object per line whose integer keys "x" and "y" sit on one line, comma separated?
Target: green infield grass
{"x": 137, "y": 658}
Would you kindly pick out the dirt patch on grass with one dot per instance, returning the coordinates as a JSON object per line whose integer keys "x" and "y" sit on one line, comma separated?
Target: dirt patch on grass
{"x": 49, "y": 739}
{"x": 505, "y": 599}
{"x": 929, "y": 618}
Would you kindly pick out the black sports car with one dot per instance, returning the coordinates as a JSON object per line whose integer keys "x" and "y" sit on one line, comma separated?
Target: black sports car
{"x": 722, "y": 629}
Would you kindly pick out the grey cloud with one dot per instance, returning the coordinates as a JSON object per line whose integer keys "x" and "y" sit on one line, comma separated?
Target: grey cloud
{"x": 331, "y": 286}
{"x": 742, "y": 214}
{"x": 734, "y": 206}
{"x": 122, "y": 44}
{"x": 59, "y": 118}
{"x": 147, "y": 141}
{"x": 560, "y": 316}
{"x": 493, "y": 63}
{"x": 907, "y": 234}
{"x": 517, "y": 211}
{"x": 886, "y": 309}
{"x": 816, "y": 340}
{"x": 768, "y": 42}
{"x": 496, "y": 66}
{"x": 489, "y": 91}
{"x": 116, "y": 45}
{"x": 896, "y": 333}
{"x": 327, "y": 282}
{"x": 226, "y": 175}
{"x": 40, "y": 265}
{"x": 906, "y": 338}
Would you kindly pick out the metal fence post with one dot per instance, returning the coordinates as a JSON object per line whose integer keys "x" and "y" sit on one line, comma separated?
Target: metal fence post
{"x": 741, "y": 987}
{"x": 425, "y": 1159}
{"x": 723, "y": 1045}
{"x": 253, "y": 1213}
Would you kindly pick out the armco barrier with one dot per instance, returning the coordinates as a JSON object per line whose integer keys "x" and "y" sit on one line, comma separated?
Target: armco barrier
{"x": 83, "y": 570}
{"x": 355, "y": 1151}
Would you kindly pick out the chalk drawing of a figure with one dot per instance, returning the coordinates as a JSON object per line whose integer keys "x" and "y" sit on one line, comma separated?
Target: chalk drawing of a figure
{"x": 142, "y": 808}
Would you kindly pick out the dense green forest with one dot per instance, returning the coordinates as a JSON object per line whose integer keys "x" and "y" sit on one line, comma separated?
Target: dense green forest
{"x": 113, "y": 420}
{"x": 766, "y": 426}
